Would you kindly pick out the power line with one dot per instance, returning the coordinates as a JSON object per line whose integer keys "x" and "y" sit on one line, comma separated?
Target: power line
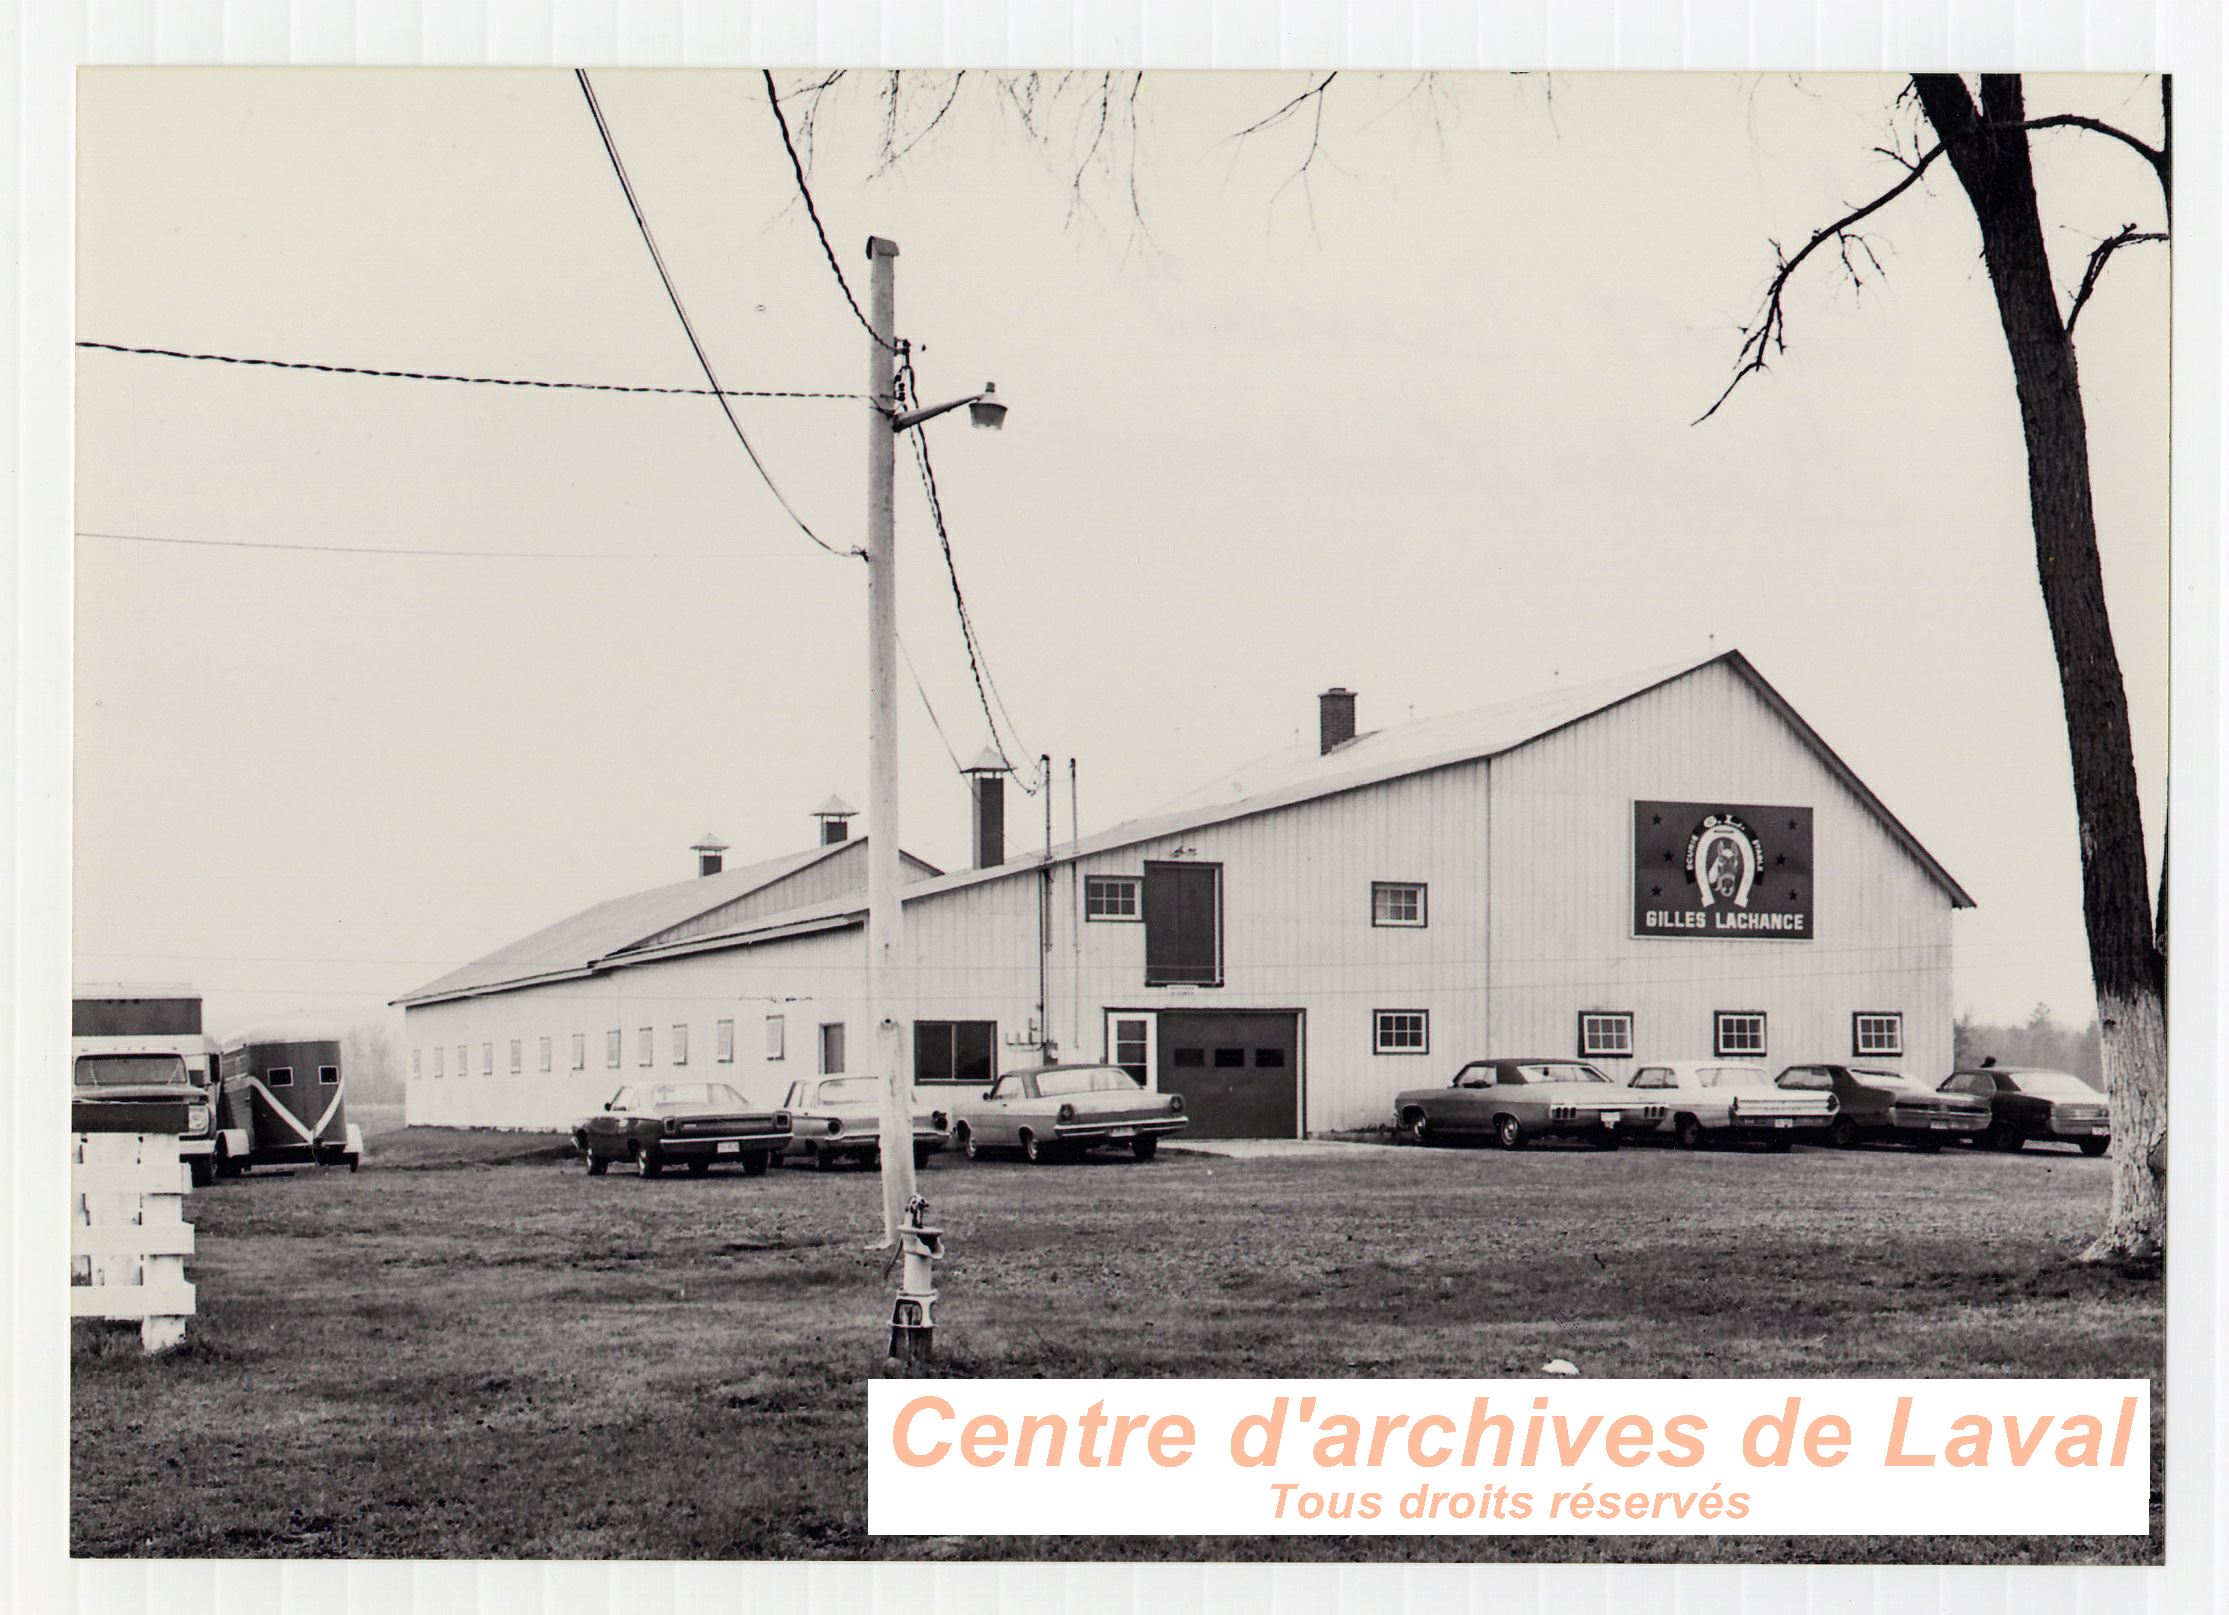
{"x": 435, "y": 554}
{"x": 978, "y": 663}
{"x": 774, "y": 101}
{"x": 470, "y": 381}
{"x": 673, "y": 295}
{"x": 934, "y": 722}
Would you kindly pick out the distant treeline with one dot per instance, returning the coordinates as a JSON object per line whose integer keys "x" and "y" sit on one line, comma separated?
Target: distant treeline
{"x": 2041, "y": 1041}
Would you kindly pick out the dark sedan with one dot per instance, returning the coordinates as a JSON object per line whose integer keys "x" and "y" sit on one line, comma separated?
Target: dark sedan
{"x": 695, "y": 1125}
{"x": 2031, "y": 1102}
{"x": 1880, "y": 1105}
{"x": 1515, "y": 1101}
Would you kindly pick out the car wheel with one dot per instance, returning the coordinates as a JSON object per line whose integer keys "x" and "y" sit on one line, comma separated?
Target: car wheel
{"x": 1779, "y": 1146}
{"x": 697, "y": 1169}
{"x": 1689, "y": 1132}
{"x": 647, "y": 1164}
{"x": 1928, "y": 1146}
{"x": 2092, "y": 1146}
{"x": 202, "y": 1169}
{"x": 352, "y": 1162}
{"x": 1509, "y": 1133}
{"x": 825, "y": 1160}
{"x": 1034, "y": 1153}
{"x": 1607, "y": 1139}
{"x": 967, "y": 1140}
{"x": 223, "y": 1161}
{"x": 2008, "y": 1139}
{"x": 921, "y": 1153}
{"x": 1417, "y": 1126}
{"x": 1843, "y": 1134}
{"x": 1143, "y": 1148}
{"x": 756, "y": 1163}
{"x": 595, "y": 1164}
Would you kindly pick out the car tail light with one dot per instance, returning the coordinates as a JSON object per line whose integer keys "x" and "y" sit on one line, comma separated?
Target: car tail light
{"x": 1066, "y": 1113}
{"x": 673, "y": 1124}
{"x": 1176, "y": 1104}
{"x": 1833, "y": 1104}
{"x": 939, "y": 1120}
{"x": 835, "y": 1125}
{"x": 781, "y": 1120}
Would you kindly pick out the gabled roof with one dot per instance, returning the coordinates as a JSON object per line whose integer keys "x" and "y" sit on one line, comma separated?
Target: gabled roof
{"x": 575, "y": 944}
{"x": 1293, "y": 775}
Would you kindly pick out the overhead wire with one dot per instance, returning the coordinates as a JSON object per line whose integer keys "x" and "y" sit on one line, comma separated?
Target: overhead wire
{"x": 431, "y": 554}
{"x": 673, "y": 295}
{"x": 797, "y": 167}
{"x": 470, "y": 381}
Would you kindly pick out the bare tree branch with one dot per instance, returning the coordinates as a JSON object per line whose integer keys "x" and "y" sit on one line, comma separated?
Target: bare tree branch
{"x": 2127, "y": 236}
{"x": 1314, "y": 93}
{"x": 1769, "y": 334}
{"x": 2158, "y": 156}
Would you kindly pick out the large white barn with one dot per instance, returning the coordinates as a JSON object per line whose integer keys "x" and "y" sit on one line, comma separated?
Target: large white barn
{"x": 1668, "y": 865}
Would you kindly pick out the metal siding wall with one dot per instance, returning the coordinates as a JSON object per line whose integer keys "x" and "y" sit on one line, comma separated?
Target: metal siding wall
{"x": 1562, "y": 887}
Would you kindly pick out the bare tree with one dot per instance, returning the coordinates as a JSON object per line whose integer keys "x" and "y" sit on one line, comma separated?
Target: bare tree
{"x": 1987, "y": 147}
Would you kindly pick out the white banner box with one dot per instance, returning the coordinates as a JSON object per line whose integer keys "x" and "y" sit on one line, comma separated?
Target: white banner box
{"x": 1641, "y": 1457}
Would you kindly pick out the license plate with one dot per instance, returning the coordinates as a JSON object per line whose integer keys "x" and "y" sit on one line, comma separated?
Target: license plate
{"x": 729, "y": 1148}
{"x": 2100, "y": 1127}
{"x": 1123, "y": 1132}
{"x": 1784, "y": 1121}
{"x": 1610, "y": 1118}
{"x": 1941, "y": 1126}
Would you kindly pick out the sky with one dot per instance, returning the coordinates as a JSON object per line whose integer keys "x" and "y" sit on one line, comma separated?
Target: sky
{"x": 1415, "y": 415}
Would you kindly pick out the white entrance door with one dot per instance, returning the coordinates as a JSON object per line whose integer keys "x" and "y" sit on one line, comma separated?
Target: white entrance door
{"x": 1131, "y": 1044}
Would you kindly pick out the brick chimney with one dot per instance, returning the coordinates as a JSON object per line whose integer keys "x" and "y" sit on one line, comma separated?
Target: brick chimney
{"x": 1335, "y": 712}
{"x": 708, "y": 854}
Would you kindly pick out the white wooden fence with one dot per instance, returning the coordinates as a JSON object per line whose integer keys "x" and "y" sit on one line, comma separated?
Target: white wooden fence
{"x": 129, "y": 1238}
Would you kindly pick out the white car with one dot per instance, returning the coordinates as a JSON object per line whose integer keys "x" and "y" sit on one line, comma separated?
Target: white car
{"x": 1710, "y": 1100}
{"x": 835, "y": 1118}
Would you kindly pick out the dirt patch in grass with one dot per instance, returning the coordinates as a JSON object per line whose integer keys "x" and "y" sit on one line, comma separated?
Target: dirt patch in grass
{"x": 470, "y": 1349}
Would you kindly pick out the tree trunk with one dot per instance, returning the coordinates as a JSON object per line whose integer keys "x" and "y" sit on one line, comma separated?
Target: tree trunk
{"x": 1989, "y": 152}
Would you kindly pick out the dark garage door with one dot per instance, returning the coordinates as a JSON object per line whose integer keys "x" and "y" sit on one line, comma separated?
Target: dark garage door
{"x": 1239, "y": 1073}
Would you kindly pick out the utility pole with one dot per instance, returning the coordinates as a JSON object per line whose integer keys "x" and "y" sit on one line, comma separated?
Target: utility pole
{"x": 889, "y": 1004}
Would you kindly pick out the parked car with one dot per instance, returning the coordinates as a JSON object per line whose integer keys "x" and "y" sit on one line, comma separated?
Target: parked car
{"x": 1047, "y": 1111}
{"x": 1889, "y": 1106}
{"x": 145, "y": 1093}
{"x": 1723, "y": 1100}
{"x": 2030, "y": 1102}
{"x": 1516, "y": 1101}
{"x": 834, "y": 1119}
{"x": 654, "y": 1125}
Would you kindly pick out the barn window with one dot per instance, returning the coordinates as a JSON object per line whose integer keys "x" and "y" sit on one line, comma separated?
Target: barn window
{"x": 775, "y": 1038}
{"x": 1606, "y": 1034}
{"x": 1403, "y": 1031}
{"x": 723, "y": 1042}
{"x": 681, "y": 1043}
{"x": 1877, "y": 1032}
{"x": 417, "y": 1064}
{"x": 1397, "y": 902}
{"x": 955, "y": 1051}
{"x": 279, "y": 1076}
{"x": 545, "y": 1054}
{"x": 580, "y": 1051}
{"x": 646, "y": 1045}
{"x": 1738, "y": 1032}
{"x": 832, "y": 1048}
{"x": 1111, "y": 897}
{"x": 464, "y": 1061}
{"x": 328, "y": 1076}
{"x": 1130, "y": 1044}
{"x": 518, "y": 1056}
{"x": 487, "y": 1059}
{"x": 1183, "y": 908}
{"x": 437, "y": 1053}
{"x": 611, "y": 1048}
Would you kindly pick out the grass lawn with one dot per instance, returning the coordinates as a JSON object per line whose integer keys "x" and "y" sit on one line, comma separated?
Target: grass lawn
{"x": 471, "y": 1349}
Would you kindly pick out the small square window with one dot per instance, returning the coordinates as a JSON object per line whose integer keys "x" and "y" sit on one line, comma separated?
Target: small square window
{"x": 1269, "y": 1059}
{"x": 580, "y": 1051}
{"x": 1402, "y": 1031}
{"x": 1187, "y": 1058}
{"x": 776, "y": 1037}
{"x": 1397, "y": 903}
{"x": 681, "y": 1043}
{"x": 1110, "y": 897}
{"x": 1227, "y": 1059}
{"x": 646, "y": 1046}
{"x": 328, "y": 1076}
{"x": 723, "y": 1042}
{"x": 1876, "y": 1033}
{"x": 1606, "y": 1034}
{"x": 279, "y": 1076}
{"x": 1738, "y": 1033}
{"x": 518, "y": 1062}
{"x": 611, "y": 1048}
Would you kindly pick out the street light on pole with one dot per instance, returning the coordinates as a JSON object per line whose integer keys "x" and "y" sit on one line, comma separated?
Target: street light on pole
{"x": 912, "y": 1331}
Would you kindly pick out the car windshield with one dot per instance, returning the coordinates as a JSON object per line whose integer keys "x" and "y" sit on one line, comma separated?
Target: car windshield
{"x": 2054, "y": 1085}
{"x": 677, "y": 1094}
{"x": 1736, "y": 1076}
{"x": 130, "y": 1071}
{"x": 848, "y": 1091}
{"x": 1554, "y": 1071}
{"x": 1086, "y": 1079}
{"x": 1874, "y": 1077}
{"x": 1806, "y": 1079}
